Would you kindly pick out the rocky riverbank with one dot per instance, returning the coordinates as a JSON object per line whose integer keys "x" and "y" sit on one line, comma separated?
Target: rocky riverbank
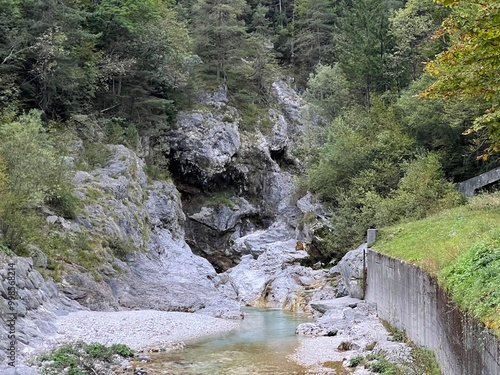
{"x": 141, "y": 330}
{"x": 347, "y": 329}
{"x": 140, "y": 244}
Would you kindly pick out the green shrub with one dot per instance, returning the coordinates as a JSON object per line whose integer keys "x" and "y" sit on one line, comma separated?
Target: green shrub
{"x": 98, "y": 351}
{"x": 65, "y": 356}
{"x": 119, "y": 131}
{"x": 220, "y": 199}
{"x": 473, "y": 281}
{"x": 422, "y": 191}
{"x": 384, "y": 367}
{"x": 328, "y": 88}
{"x": 19, "y": 227}
{"x": 397, "y": 334}
{"x": 65, "y": 203}
{"x": 120, "y": 247}
{"x": 31, "y": 161}
{"x": 353, "y": 362}
{"x": 374, "y": 356}
{"x": 422, "y": 361}
{"x": 83, "y": 359}
{"x": 122, "y": 349}
{"x": 155, "y": 172}
{"x": 96, "y": 154}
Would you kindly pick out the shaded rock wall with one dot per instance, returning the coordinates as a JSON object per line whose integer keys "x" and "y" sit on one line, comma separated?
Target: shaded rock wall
{"x": 235, "y": 181}
{"x": 411, "y": 301}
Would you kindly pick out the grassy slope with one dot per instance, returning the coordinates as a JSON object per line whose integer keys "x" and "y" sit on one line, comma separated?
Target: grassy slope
{"x": 462, "y": 248}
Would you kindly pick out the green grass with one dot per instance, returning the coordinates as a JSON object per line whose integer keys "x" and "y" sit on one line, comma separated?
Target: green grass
{"x": 461, "y": 247}
{"x": 220, "y": 199}
{"x": 436, "y": 242}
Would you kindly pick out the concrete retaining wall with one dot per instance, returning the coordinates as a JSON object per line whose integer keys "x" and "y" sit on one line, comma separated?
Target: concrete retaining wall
{"x": 411, "y": 301}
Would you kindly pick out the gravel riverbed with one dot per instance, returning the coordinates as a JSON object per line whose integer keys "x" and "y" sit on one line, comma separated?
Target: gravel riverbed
{"x": 139, "y": 329}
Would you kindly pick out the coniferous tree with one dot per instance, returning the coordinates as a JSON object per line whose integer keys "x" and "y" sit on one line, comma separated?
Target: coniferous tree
{"x": 412, "y": 28}
{"x": 364, "y": 45}
{"x": 220, "y": 34}
{"x": 313, "y": 25}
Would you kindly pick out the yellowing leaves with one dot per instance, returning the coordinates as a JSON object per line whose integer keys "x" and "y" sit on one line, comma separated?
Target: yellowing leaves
{"x": 469, "y": 68}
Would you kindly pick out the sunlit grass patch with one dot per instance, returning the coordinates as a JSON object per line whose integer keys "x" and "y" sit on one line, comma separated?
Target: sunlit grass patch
{"x": 461, "y": 247}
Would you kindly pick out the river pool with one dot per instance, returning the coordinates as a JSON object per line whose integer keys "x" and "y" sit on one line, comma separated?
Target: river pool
{"x": 259, "y": 346}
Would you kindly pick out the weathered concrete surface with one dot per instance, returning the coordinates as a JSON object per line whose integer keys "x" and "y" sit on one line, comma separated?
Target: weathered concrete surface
{"x": 410, "y": 300}
{"x": 468, "y": 187}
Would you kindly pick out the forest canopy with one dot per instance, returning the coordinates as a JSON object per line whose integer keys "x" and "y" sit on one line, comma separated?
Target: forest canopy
{"x": 116, "y": 70}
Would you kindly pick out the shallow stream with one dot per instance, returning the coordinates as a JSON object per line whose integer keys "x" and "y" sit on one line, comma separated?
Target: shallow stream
{"x": 259, "y": 346}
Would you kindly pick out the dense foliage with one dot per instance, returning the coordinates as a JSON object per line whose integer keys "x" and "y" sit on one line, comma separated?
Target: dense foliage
{"x": 114, "y": 70}
{"x": 80, "y": 358}
{"x": 118, "y": 58}
{"x": 469, "y": 68}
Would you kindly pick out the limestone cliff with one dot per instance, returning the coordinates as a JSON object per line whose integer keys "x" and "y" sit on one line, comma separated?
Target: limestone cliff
{"x": 221, "y": 234}
{"x": 240, "y": 190}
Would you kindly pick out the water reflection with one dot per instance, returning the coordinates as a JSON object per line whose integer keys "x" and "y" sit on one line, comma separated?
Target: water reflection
{"x": 259, "y": 346}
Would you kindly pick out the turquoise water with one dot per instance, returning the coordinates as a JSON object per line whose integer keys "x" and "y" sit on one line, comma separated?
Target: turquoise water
{"x": 259, "y": 346}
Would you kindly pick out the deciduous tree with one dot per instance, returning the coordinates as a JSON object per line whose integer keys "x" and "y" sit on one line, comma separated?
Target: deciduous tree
{"x": 469, "y": 68}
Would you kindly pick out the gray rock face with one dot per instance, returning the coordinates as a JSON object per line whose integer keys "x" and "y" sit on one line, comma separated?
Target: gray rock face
{"x": 170, "y": 277}
{"x": 290, "y": 100}
{"x": 30, "y": 305}
{"x": 223, "y": 218}
{"x": 204, "y": 143}
{"x": 211, "y": 230}
{"x": 272, "y": 275}
{"x": 350, "y": 269}
{"x": 278, "y": 236}
{"x": 306, "y": 204}
{"x": 208, "y": 153}
{"x": 160, "y": 272}
{"x": 217, "y": 98}
{"x": 114, "y": 196}
{"x": 278, "y": 141}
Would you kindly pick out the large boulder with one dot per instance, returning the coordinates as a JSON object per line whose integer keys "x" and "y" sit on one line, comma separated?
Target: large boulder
{"x": 211, "y": 230}
{"x": 352, "y": 328}
{"x": 271, "y": 275}
{"x": 350, "y": 269}
{"x": 223, "y": 218}
{"x": 203, "y": 144}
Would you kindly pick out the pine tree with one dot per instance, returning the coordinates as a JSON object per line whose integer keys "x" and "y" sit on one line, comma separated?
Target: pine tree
{"x": 364, "y": 44}
{"x": 220, "y": 33}
{"x": 313, "y": 26}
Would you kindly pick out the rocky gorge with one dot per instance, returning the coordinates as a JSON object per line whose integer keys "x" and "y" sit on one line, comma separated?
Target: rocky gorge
{"x": 227, "y": 230}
